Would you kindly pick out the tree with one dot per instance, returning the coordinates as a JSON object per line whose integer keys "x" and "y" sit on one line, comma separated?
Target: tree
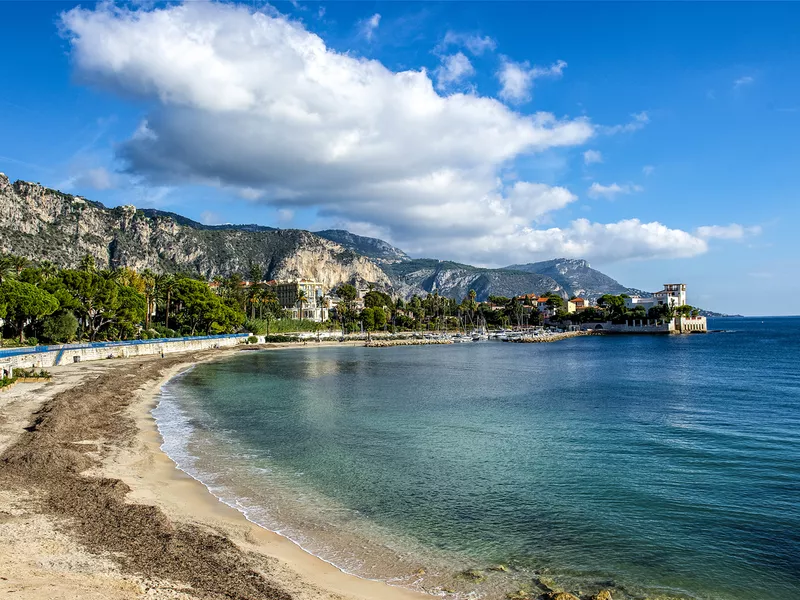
{"x": 256, "y": 273}
{"x": 165, "y": 285}
{"x": 60, "y": 327}
{"x": 25, "y": 302}
{"x": 97, "y": 298}
{"x": 6, "y": 269}
{"x": 88, "y": 264}
{"x": 18, "y": 263}
{"x": 615, "y": 305}
{"x": 301, "y": 300}
{"x": 149, "y": 281}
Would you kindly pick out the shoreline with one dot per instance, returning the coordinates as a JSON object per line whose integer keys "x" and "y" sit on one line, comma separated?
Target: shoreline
{"x": 146, "y": 485}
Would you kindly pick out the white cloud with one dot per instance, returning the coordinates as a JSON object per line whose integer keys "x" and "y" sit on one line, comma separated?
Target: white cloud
{"x": 637, "y": 122}
{"x": 597, "y": 190}
{"x": 476, "y": 44}
{"x": 96, "y": 179}
{"x": 208, "y": 217}
{"x": 516, "y": 79}
{"x": 734, "y": 231}
{"x": 746, "y": 80}
{"x": 285, "y": 215}
{"x": 648, "y": 170}
{"x": 454, "y": 69}
{"x": 369, "y": 26}
{"x": 592, "y": 156}
{"x": 256, "y": 103}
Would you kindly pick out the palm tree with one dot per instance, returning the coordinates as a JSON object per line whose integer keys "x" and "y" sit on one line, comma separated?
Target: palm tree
{"x": 6, "y": 270}
{"x": 149, "y": 280}
{"x": 165, "y": 284}
{"x": 18, "y": 263}
{"x": 301, "y": 299}
{"x": 48, "y": 270}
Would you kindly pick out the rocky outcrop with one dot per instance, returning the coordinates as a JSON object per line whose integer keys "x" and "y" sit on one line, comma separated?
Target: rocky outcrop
{"x": 45, "y": 224}
{"x": 578, "y": 278}
{"x": 454, "y": 280}
{"x": 377, "y": 250}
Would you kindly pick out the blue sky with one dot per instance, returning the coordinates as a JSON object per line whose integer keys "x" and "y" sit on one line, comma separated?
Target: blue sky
{"x": 657, "y": 140}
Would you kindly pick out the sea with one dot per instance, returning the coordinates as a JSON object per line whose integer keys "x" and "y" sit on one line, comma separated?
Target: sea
{"x": 653, "y": 466}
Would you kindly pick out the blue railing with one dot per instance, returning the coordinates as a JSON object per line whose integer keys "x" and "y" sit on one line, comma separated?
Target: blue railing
{"x": 66, "y": 347}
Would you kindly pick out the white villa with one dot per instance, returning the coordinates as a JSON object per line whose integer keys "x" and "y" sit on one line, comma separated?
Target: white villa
{"x": 673, "y": 294}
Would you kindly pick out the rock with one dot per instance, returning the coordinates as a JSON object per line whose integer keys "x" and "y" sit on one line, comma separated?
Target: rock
{"x": 474, "y": 575}
{"x": 519, "y": 595}
{"x": 561, "y": 596}
{"x": 500, "y": 568}
{"x": 603, "y": 595}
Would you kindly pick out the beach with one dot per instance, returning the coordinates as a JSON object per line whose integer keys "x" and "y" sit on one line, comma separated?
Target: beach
{"x": 90, "y": 507}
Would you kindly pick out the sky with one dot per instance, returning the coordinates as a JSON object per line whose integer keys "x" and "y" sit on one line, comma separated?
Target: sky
{"x": 656, "y": 140}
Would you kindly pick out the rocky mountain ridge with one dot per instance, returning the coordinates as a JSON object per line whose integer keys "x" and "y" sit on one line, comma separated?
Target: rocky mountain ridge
{"x": 455, "y": 280}
{"x": 45, "y": 224}
{"x": 578, "y": 278}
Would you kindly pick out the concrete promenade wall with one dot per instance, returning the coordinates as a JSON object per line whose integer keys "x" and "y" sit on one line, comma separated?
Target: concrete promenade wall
{"x": 49, "y": 356}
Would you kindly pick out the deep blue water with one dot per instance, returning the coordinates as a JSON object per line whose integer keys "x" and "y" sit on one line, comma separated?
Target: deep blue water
{"x": 656, "y": 464}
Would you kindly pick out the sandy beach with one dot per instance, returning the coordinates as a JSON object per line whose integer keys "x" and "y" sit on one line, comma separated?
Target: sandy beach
{"x": 91, "y": 508}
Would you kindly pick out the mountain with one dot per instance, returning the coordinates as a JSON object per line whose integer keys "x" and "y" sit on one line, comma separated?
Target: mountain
{"x": 45, "y": 224}
{"x": 577, "y": 278}
{"x": 425, "y": 275}
{"x": 379, "y": 251}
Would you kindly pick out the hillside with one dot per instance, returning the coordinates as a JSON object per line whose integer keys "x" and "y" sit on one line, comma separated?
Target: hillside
{"x": 45, "y": 224}
{"x": 379, "y": 251}
{"x": 577, "y": 278}
{"x": 455, "y": 280}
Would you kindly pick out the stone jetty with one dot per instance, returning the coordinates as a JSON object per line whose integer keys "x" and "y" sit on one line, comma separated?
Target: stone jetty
{"x": 405, "y": 342}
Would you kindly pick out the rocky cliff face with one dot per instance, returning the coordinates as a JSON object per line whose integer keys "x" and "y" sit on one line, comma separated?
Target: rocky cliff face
{"x": 577, "y": 278}
{"x": 377, "y": 250}
{"x": 455, "y": 280}
{"x": 45, "y": 224}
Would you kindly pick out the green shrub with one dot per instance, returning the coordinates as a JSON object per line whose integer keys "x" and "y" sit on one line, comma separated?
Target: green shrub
{"x": 32, "y": 341}
{"x": 252, "y": 340}
{"x": 255, "y": 326}
{"x": 165, "y": 332}
{"x": 144, "y": 335}
{"x": 60, "y": 327}
{"x": 277, "y": 339}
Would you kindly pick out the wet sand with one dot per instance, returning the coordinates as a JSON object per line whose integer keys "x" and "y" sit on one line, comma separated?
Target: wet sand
{"x": 91, "y": 508}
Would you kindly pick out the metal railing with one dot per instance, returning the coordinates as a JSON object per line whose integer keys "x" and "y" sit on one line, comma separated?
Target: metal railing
{"x": 89, "y": 345}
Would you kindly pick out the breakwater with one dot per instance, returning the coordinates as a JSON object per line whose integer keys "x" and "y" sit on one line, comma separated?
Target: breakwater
{"x": 405, "y": 342}
{"x": 551, "y": 337}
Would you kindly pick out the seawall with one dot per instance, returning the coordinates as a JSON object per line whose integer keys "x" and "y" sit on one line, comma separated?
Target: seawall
{"x": 50, "y": 356}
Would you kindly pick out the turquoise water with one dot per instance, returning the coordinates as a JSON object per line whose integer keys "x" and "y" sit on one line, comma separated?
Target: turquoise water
{"x": 657, "y": 465}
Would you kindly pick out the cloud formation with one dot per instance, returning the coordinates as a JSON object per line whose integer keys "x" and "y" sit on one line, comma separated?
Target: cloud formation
{"x": 592, "y": 156}
{"x": 254, "y": 102}
{"x": 516, "y": 79}
{"x": 597, "y": 190}
{"x": 369, "y": 26}
{"x": 455, "y": 68}
{"x": 742, "y": 81}
{"x": 734, "y": 231}
{"x": 637, "y": 122}
{"x": 476, "y": 44}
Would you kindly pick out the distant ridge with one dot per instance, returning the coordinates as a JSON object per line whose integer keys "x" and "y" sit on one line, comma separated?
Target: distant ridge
{"x": 44, "y": 224}
{"x": 577, "y": 278}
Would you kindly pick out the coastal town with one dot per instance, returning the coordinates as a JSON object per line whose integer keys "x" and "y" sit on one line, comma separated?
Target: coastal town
{"x": 664, "y": 311}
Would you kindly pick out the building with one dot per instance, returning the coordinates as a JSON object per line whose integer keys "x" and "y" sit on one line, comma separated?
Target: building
{"x": 673, "y": 294}
{"x": 314, "y": 305}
